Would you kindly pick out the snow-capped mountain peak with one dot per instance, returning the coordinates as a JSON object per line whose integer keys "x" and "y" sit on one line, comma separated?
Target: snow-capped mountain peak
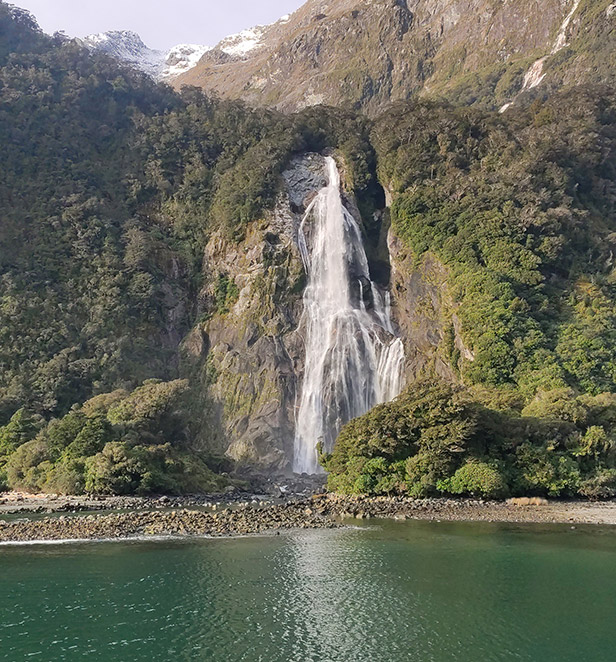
{"x": 240, "y": 44}
{"x": 129, "y": 47}
{"x": 181, "y": 58}
{"x": 247, "y": 41}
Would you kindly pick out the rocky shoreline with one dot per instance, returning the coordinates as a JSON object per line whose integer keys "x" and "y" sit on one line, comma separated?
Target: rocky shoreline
{"x": 243, "y": 520}
{"x": 159, "y": 517}
{"x": 258, "y": 488}
{"x": 467, "y": 510}
{"x": 16, "y": 503}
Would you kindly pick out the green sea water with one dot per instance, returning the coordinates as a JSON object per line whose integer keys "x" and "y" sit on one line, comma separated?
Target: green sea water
{"x": 385, "y": 591}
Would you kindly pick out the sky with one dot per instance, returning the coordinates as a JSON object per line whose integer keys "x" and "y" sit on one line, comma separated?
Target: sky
{"x": 160, "y": 24}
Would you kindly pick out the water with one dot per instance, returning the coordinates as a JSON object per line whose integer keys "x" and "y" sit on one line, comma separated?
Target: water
{"x": 535, "y": 75}
{"x": 392, "y": 592}
{"x": 354, "y": 360}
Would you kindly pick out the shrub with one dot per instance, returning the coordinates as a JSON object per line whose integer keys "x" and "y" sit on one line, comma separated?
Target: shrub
{"x": 379, "y": 476}
{"x": 431, "y": 420}
{"x": 66, "y": 477}
{"x": 477, "y": 479}
{"x": 601, "y": 485}
{"x": 435, "y": 439}
{"x": 124, "y": 469}
{"x": 147, "y": 405}
{"x": 117, "y": 469}
{"x": 21, "y": 428}
{"x": 91, "y": 439}
{"x": 28, "y": 466}
{"x": 541, "y": 470}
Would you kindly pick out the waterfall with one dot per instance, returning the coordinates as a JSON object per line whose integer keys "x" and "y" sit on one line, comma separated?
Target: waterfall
{"x": 535, "y": 75}
{"x": 354, "y": 360}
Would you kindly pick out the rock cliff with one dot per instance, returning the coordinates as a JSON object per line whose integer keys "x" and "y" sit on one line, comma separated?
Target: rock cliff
{"x": 364, "y": 54}
{"x": 250, "y": 341}
{"x": 252, "y": 311}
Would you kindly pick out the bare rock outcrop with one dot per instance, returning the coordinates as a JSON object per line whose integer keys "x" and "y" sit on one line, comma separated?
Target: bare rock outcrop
{"x": 365, "y": 54}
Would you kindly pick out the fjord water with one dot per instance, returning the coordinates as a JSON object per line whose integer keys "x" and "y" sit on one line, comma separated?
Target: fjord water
{"x": 386, "y": 592}
{"x": 354, "y": 360}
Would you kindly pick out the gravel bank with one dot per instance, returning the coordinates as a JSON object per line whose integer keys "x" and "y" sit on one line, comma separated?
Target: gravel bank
{"x": 244, "y": 520}
{"x": 564, "y": 512}
{"x": 14, "y": 503}
{"x": 317, "y": 512}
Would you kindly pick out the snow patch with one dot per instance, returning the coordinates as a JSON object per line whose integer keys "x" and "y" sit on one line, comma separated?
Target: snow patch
{"x": 128, "y": 47}
{"x": 242, "y": 43}
{"x": 247, "y": 41}
{"x": 182, "y": 58}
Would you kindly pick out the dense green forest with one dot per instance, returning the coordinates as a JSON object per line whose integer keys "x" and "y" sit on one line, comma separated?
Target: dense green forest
{"x": 521, "y": 211}
{"x": 111, "y": 185}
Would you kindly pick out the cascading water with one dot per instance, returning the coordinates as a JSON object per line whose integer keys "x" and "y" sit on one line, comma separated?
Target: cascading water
{"x": 354, "y": 360}
{"x": 535, "y": 75}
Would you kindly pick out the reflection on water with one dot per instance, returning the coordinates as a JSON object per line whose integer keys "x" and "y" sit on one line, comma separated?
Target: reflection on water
{"x": 392, "y": 591}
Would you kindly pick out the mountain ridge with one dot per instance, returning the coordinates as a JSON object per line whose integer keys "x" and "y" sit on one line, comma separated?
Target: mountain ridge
{"x": 127, "y": 46}
{"x": 365, "y": 54}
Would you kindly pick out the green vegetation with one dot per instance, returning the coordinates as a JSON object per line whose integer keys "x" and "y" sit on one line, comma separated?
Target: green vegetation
{"x": 112, "y": 185}
{"x": 116, "y": 443}
{"x": 440, "y": 439}
{"x": 226, "y": 294}
{"x": 521, "y": 210}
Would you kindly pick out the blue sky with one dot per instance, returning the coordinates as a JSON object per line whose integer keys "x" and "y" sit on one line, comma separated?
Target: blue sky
{"x": 160, "y": 24}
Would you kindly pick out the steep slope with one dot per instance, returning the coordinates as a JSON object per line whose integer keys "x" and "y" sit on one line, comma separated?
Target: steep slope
{"x": 148, "y": 235}
{"x": 127, "y": 211}
{"x": 365, "y": 54}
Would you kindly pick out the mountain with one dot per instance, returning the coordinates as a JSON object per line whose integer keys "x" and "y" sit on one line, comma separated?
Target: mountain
{"x": 364, "y": 54}
{"x": 155, "y": 290}
{"x": 128, "y": 47}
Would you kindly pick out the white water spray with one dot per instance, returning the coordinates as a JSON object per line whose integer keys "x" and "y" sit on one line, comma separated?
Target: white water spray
{"x": 354, "y": 360}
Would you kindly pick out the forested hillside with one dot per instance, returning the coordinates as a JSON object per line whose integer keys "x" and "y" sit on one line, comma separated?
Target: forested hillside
{"x": 115, "y": 192}
{"x": 521, "y": 213}
{"x": 110, "y": 187}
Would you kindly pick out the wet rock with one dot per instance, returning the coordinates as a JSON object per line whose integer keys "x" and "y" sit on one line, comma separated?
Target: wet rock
{"x": 175, "y": 523}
